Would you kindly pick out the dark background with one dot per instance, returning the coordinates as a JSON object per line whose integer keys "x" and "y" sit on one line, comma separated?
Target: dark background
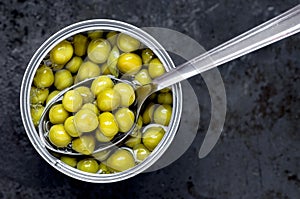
{"x": 258, "y": 153}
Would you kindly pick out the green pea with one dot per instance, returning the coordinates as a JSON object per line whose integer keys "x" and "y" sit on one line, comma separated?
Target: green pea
{"x": 87, "y": 70}
{"x": 125, "y": 119}
{"x": 156, "y": 68}
{"x": 127, "y": 43}
{"x": 143, "y": 77}
{"x": 84, "y": 144}
{"x": 108, "y": 124}
{"x": 80, "y": 44}
{"x": 36, "y": 113}
{"x": 72, "y": 101}
{"x": 152, "y": 136}
{"x": 38, "y": 95}
{"x": 162, "y": 114}
{"x": 88, "y": 165}
{"x": 152, "y": 97}
{"x": 74, "y": 64}
{"x": 52, "y": 95}
{"x": 120, "y": 160}
{"x": 140, "y": 152}
{"x": 63, "y": 79}
{"x": 112, "y": 37}
{"x": 112, "y": 61}
{"x": 101, "y": 137}
{"x": 147, "y": 55}
{"x": 126, "y": 92}
{"x": 102, "y": 155}
{"x": 61, "y": 53}
{"x": 105, "y": 70}
{"x": 98, "y": 50}
{"x": 71, "y": 161}
{"x": 165, "y": 90}
{"x": 43, "y": 77}
{"x": 139, "y": 122}
{"x": 85, "y": 120}
{"x": 56, "y": 67}
{"x": 58, "y": 136}
{"x": 57, "y": 114}
{"x": 95, "y": 34}
{"x": 100, "y": 84}
{"x": 129, "y": 63}
{"x": 165, "y": 98}
{"x": 134, "y": 139}
{"x": 148, "y": 113}
{"x": 86, "y": 94}
{"x": 103, "y": 169}
{"x": 92, "y": 107}
{"x": 70, "y": 127}
{"x": 108, "y": 100}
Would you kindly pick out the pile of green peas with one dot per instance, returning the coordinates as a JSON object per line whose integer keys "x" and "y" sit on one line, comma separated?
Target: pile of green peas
{"x": 89, "y": 115}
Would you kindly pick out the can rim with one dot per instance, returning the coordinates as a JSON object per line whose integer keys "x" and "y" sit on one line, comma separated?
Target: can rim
{"x": 83, "y": 26}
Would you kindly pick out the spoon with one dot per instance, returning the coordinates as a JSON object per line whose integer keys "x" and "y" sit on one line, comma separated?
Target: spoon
{"x": 267, "y": 33}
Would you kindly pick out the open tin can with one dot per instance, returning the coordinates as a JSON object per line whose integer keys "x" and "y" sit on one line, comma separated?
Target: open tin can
{"x": 43, "y": 51}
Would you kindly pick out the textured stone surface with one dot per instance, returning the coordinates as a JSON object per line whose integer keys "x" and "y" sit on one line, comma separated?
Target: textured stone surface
{"x": 258, "y": 153}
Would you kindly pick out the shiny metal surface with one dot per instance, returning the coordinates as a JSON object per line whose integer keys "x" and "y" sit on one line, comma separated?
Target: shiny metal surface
{"x": 45, "y": 48}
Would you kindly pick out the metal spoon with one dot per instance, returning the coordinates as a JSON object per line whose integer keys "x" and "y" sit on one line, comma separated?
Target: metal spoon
{"x": 267, "y": 33}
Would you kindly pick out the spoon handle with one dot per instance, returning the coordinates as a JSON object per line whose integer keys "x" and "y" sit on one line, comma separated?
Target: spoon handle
{"x": 267, "y": 33}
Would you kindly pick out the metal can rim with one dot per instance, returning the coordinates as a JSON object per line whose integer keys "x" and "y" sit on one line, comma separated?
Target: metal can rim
{"x": 83, "y": 26}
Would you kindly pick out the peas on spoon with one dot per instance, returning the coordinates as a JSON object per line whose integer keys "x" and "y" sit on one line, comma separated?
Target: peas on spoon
{"x": 267, "y": 33}
{"x": 87, "y": 117}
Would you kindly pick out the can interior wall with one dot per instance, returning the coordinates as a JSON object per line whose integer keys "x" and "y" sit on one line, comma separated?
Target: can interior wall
{"x": 109, "y": 25}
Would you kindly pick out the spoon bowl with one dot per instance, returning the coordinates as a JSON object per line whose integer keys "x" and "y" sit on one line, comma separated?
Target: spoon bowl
{"x": 44, "y": 123}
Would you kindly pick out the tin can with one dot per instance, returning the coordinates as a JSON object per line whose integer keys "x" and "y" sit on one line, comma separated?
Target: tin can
{"x": 84, "y": 26}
